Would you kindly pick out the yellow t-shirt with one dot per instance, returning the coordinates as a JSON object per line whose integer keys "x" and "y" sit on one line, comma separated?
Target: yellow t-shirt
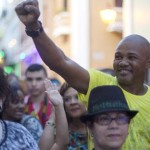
{"x": 139, "y": 131}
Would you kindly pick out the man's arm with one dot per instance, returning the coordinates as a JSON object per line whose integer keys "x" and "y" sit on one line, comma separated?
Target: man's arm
{"x": 28, "y": 12}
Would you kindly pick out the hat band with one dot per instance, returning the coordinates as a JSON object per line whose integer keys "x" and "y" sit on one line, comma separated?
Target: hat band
{"x": 109, "y": 106}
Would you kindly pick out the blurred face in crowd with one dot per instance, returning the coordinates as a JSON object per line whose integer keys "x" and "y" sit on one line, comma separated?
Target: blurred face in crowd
{"x": 110, "y": 130}
{"x": 15, "y": 109}
{"x": 74, "y": 107}
{"x": 35, "y": 82}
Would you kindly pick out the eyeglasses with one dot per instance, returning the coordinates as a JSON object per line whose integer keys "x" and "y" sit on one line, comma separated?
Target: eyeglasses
{"x": 106, "y": 120}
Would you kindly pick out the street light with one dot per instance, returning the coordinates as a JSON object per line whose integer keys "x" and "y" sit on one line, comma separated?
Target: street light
{"x": 108, "y": 15}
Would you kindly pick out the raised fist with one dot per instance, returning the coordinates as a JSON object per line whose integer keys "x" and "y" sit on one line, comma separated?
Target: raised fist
{"x": 28, "y": 12}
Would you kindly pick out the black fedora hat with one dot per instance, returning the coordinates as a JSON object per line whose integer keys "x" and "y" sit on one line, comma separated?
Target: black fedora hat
{"x": 107, "y": 99}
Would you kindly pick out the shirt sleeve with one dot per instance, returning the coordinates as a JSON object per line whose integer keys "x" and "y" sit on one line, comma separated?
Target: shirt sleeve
{"x": 97, "y": 78}
{"x": 19, "y": 138}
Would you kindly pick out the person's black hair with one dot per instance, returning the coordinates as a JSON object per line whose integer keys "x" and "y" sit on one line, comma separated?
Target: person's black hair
{"x": 4, "y": 87}
{"x": 90, "y": 122}
{"x": 12, "y": 96}
{"x": 36, "y": 67}
{"x": 65, "y": 86}
{"x": 3, "y": 84}
{"x": 13, "y": 79}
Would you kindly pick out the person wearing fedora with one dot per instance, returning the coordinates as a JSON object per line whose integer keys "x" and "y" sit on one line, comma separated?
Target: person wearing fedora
{"x": 108, "y": 117}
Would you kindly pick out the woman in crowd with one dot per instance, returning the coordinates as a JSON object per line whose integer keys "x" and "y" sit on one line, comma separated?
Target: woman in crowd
{"x": 108, "y": 117}
{"x": 15, "y": 112}
{"x": 13, "y": 136}
{"x": 74, "y": 109}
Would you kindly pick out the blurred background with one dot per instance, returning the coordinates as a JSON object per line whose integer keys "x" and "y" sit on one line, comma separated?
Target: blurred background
{"x": 86, "y": 30}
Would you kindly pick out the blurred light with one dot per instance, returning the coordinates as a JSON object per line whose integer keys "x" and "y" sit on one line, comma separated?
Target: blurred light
{"x": 8, "y": 69}
{"x": 2, "y": 54}
{"x": 108, "y": 15}
{"x": 22, "y": 56}
{"x": 1, "y": 60}
{"x": 12, "y": 43}
{"x": 28, "y": 59}
{"x": 1, "y": 7}
{"x": 10, "y": 1}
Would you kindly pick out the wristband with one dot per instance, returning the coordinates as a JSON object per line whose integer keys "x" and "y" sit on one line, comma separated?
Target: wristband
{"x": 50, "y": 123}
{"x": 34, "y": 33}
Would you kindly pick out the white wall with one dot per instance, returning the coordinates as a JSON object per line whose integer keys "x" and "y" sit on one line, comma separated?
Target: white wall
{"x": 136, "y": 17}
{"x": 80, "y": 32}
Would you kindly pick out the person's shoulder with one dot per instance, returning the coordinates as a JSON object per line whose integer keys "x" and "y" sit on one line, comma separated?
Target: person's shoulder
{"x": 10, "y": 123}
{"x": 28, "y": 119}
{"x": 148, "y": 86}
{"x": 15, "y": 125}
{"x": 18, "y": 134}
{"x": 27, "y": 116}
{"x": 33, "y": 126}
{"x": 98, "y": 78}
{"x": 30, "y": 122}
{"x": 95, "y": 72}
{"x": 148, "y": 91}
{"x": 16, "y": 128}
{"x": 92, "y": 70}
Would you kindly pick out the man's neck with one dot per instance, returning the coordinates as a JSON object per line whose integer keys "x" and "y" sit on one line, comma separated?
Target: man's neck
{"x": 37, "y": 98}
{"x": 136, "y": 90}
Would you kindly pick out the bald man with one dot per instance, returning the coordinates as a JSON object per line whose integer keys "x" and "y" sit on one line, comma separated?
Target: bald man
{"x": 131, "y": 61}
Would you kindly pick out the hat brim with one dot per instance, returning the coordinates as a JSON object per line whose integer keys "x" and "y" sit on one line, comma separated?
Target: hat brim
{"x": 88, "y": 117}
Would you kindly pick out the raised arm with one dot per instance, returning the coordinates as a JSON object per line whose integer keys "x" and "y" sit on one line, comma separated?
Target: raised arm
{"x": 47, "y": 138}
{"x": 47, "y": 141}
{"x": 28, "y": 12}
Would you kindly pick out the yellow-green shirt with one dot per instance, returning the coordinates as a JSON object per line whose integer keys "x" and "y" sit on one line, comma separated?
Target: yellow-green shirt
{"x": 139, "y": 131}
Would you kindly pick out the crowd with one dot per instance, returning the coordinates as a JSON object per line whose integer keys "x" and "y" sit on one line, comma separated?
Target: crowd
{"x": 92, "y": 110}
{"x": 69, "y": 125}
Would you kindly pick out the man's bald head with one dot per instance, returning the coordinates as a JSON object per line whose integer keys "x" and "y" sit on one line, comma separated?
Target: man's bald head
{"x": 136, "y": 42}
